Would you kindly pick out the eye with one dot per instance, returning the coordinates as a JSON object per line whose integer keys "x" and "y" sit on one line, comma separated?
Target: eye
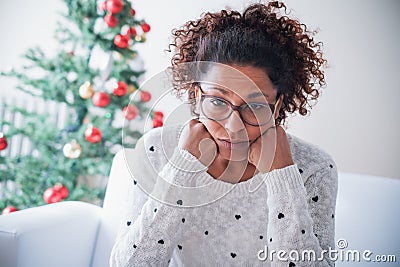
{"x": 217, "y": 102}
{"x": 255, "y": 106}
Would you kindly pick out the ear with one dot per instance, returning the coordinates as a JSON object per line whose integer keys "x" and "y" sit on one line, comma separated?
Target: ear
{"x": 278, "y": 106}
{"x": 197, "y": 95}
{"x": 193, "y": 93}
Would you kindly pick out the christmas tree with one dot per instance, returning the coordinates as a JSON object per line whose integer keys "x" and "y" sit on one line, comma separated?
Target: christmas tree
{"x": 97, "y": 100}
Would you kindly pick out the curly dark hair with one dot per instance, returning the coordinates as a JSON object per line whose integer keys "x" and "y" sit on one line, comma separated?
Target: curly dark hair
{"x": 263, "y": 37}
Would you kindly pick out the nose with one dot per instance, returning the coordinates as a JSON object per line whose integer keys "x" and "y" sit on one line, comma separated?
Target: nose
{"x": 234, "y": 123}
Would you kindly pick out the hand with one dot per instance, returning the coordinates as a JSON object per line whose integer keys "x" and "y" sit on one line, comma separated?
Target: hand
{"x": 271, "y": 150}
{"x": 198, "y": 141}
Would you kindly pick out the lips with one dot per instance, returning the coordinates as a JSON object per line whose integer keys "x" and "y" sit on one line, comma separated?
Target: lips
{"x": 234, "y": 144}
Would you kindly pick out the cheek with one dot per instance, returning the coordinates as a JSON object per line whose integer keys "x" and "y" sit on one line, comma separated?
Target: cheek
{"x": 253, "y": 132}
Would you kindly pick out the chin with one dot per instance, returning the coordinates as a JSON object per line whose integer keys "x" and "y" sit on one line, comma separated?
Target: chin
{"x": 234, "y": 155}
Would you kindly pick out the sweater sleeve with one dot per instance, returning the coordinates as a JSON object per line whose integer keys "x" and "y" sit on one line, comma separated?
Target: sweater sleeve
{"x": 301, "y": 216}
{"x": 154, "y": 223}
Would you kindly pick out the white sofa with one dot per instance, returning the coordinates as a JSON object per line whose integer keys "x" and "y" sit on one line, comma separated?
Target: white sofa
{"x": 78, "y": 234}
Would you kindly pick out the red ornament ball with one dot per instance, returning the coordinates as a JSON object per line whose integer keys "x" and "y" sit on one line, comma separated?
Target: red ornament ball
{"x": 51, "y": 195}
{"x": 101, "y": 99}
{"x": 62, "y": 189}
{"x": 145, "y": 96}
{"x": 157, "y": 122}
{"x": 9, "y": 209}
{"x": 145, "y": 27}
{"x": 130, "y": 112}
{"x": 114, "y": 6}
{"x": 133, "y": 12}
{"x": 121, "y": 89}
{"x": 3, "y": 142}
{"x": 132, "y": 31}
{"x": 158, "y": 114}
{"x": 121, "y": 41}
{"x": 93, "y": 135}
{"x": 111, "y": 21}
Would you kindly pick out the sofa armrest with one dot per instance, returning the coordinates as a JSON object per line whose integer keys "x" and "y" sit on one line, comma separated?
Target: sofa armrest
{"x": 60, "y": 234}
{"x": 114, "y": 207}
{"x": 367, "y": 219}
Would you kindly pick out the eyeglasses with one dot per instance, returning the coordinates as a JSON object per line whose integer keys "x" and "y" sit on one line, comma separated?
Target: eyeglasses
{"x": 217, "y": 108}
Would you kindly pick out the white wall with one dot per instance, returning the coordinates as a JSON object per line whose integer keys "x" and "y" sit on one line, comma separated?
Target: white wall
{"x": 356, "y": 119}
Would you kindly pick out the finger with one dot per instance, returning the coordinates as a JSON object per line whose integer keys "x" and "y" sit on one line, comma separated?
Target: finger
{"x": 268, "y": 129}
{"x": 208, "y": 147}
{"x": 262, "y": 134}
{"x": 263, "y": 151}
{"x": 252, "y": 156}
{"x": 204, "y": 130}
{"x": 208, "y": 151}
{"x": 263, "y": 157}
{"x": 191, "y": 127}
{"x": 268, "y": 146}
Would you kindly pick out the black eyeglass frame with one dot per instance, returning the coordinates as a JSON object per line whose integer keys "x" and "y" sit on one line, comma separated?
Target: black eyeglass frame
{"x": 238, "y": 108}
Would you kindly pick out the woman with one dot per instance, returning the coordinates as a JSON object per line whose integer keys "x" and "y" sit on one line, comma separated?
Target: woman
{"x": 256, "y": 67}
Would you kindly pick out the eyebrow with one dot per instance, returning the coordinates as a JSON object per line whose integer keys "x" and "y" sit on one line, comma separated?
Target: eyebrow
{"x": 252, "y": 95}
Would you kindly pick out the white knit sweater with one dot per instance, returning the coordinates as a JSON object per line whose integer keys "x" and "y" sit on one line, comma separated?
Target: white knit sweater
{"x": 291, "y": 210}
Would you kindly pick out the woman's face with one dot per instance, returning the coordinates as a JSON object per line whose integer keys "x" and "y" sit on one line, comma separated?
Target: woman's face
{"x": 238, "y": 85}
